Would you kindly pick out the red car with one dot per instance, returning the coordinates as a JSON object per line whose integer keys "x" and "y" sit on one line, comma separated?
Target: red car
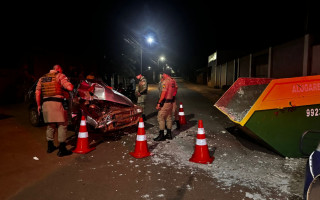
{"x": 105, "y": 109}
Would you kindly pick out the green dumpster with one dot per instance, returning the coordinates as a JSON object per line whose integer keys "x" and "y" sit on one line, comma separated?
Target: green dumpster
{"x": 283, "y": 114}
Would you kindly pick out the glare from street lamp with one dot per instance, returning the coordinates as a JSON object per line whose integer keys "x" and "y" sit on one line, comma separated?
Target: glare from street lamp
{"x": 162, "y": 58}
{"x": 150, "y": 40}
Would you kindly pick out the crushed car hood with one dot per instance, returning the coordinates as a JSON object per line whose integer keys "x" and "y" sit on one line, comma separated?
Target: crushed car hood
{"x": 90, "y": 90}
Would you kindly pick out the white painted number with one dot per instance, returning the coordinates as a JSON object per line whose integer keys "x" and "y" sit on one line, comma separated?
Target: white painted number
{"x": 312, "y": 112}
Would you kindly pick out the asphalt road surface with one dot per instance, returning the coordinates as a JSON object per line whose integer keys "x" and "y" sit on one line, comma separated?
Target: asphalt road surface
{"x": 242, "y": 168}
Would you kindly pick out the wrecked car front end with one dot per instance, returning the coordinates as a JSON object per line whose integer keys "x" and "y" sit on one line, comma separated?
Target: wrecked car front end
{"x": 105, "y": 109}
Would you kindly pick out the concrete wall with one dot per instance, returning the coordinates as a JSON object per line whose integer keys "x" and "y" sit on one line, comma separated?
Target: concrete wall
{"x": 244, "y": 66}
{"x": 292, "y": 59}
{"x": 217, "y": 76}
{"x": 315, "y": 63}
{"x": 223, "y": 78}
{"x": 230, "y": 72}
{"x": 259, "y": 67}
{"x": 210, "y": 77}
{"x": 287, "y": 59}
{"x": 211, "y": 80}
{"x": 199, "y": 78}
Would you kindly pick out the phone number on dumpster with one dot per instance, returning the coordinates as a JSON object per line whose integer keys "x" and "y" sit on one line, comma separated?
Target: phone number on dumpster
{"x": 312, "y": 112}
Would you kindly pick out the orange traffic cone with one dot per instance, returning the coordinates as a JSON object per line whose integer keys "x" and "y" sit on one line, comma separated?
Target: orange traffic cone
{"x": 83, "y": 143}
{"x": 201, "y": 151}
{"x": 141, "y": 149}
{"x": 182, "y": 118}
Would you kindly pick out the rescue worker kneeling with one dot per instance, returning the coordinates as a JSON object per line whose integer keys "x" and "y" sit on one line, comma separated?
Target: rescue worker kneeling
{"x": 51, "y": 86}
{"x": 164, "y": 106}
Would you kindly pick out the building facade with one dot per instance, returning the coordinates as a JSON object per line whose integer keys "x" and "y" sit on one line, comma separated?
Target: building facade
{"x": 300, "y": 57}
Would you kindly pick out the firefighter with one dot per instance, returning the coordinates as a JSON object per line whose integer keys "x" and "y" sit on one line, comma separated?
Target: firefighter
{"x": 175, "y": 111}
{"x": 142, "y": 93}
{"x": 52, "y": 88}
{"x": 164, "y": 106}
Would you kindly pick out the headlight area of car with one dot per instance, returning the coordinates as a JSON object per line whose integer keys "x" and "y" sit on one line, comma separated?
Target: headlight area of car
{"x": 100, "y": 123}
{"x": 138, "y": 110}
{"x": 104, "y": 121}
{"x": 92, "y": 121}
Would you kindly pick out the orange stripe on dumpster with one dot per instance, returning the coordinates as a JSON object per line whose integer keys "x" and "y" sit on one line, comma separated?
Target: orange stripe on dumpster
{"x": 287, "y": 92}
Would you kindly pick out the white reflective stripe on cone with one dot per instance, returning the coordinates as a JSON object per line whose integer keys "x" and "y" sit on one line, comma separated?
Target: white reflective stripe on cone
{"x": 201, "y": 142}
{"x": 200, "y": 130}
{"x": 181, "y": 106}
{"x": 141, "y": 125}
{"x": 82, "y": 123}
{"x": 83, "y": 135}
{"x": 181, "y": 113}
{"x": 141, "y": 137}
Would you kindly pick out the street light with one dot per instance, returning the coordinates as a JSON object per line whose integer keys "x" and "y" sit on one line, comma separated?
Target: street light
{"x": 149, "y": 40}
{"x": 161, "y": 58}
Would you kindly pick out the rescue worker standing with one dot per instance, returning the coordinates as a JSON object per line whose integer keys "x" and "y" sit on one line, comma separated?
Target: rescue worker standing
{"x": 142, "y": 93}
{"x": 50, "y": 87}
{"x": 164, "y": 106}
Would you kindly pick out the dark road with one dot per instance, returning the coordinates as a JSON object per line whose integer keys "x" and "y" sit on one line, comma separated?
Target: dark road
{"x": 242, "y": 169}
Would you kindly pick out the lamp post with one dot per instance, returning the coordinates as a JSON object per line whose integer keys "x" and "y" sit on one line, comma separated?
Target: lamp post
{"x": 140, "y": 60}
{"x": 149, "y": 40}
{"x": 161, "y": 58}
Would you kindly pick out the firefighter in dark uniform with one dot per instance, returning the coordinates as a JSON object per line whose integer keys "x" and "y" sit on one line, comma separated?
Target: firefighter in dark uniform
{"x": 50, "y": 88}
{"x": 164, "y": 106}
{"x": 142, "y": 93}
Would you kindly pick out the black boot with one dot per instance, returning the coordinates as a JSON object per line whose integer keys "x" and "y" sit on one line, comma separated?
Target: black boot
{"x": 178, "y": 124}
{"x": 51, "y": 147}
{"x": 168, "y": 135}
{"x": 160, "y": 136}
{"x": 63, "y": 150}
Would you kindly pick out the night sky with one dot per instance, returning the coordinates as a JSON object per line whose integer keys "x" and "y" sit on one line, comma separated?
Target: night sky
{"x": 187, "y": 32}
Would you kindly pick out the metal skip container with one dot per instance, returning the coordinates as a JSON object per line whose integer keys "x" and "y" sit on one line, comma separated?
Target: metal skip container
{"x": 283, "y": 114}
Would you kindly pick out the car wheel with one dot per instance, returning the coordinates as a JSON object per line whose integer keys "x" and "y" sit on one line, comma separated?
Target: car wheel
{"x": 34, "y": 117}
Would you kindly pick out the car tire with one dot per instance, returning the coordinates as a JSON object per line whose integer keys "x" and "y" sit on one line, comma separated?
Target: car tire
{"x": 34, "y": 117}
